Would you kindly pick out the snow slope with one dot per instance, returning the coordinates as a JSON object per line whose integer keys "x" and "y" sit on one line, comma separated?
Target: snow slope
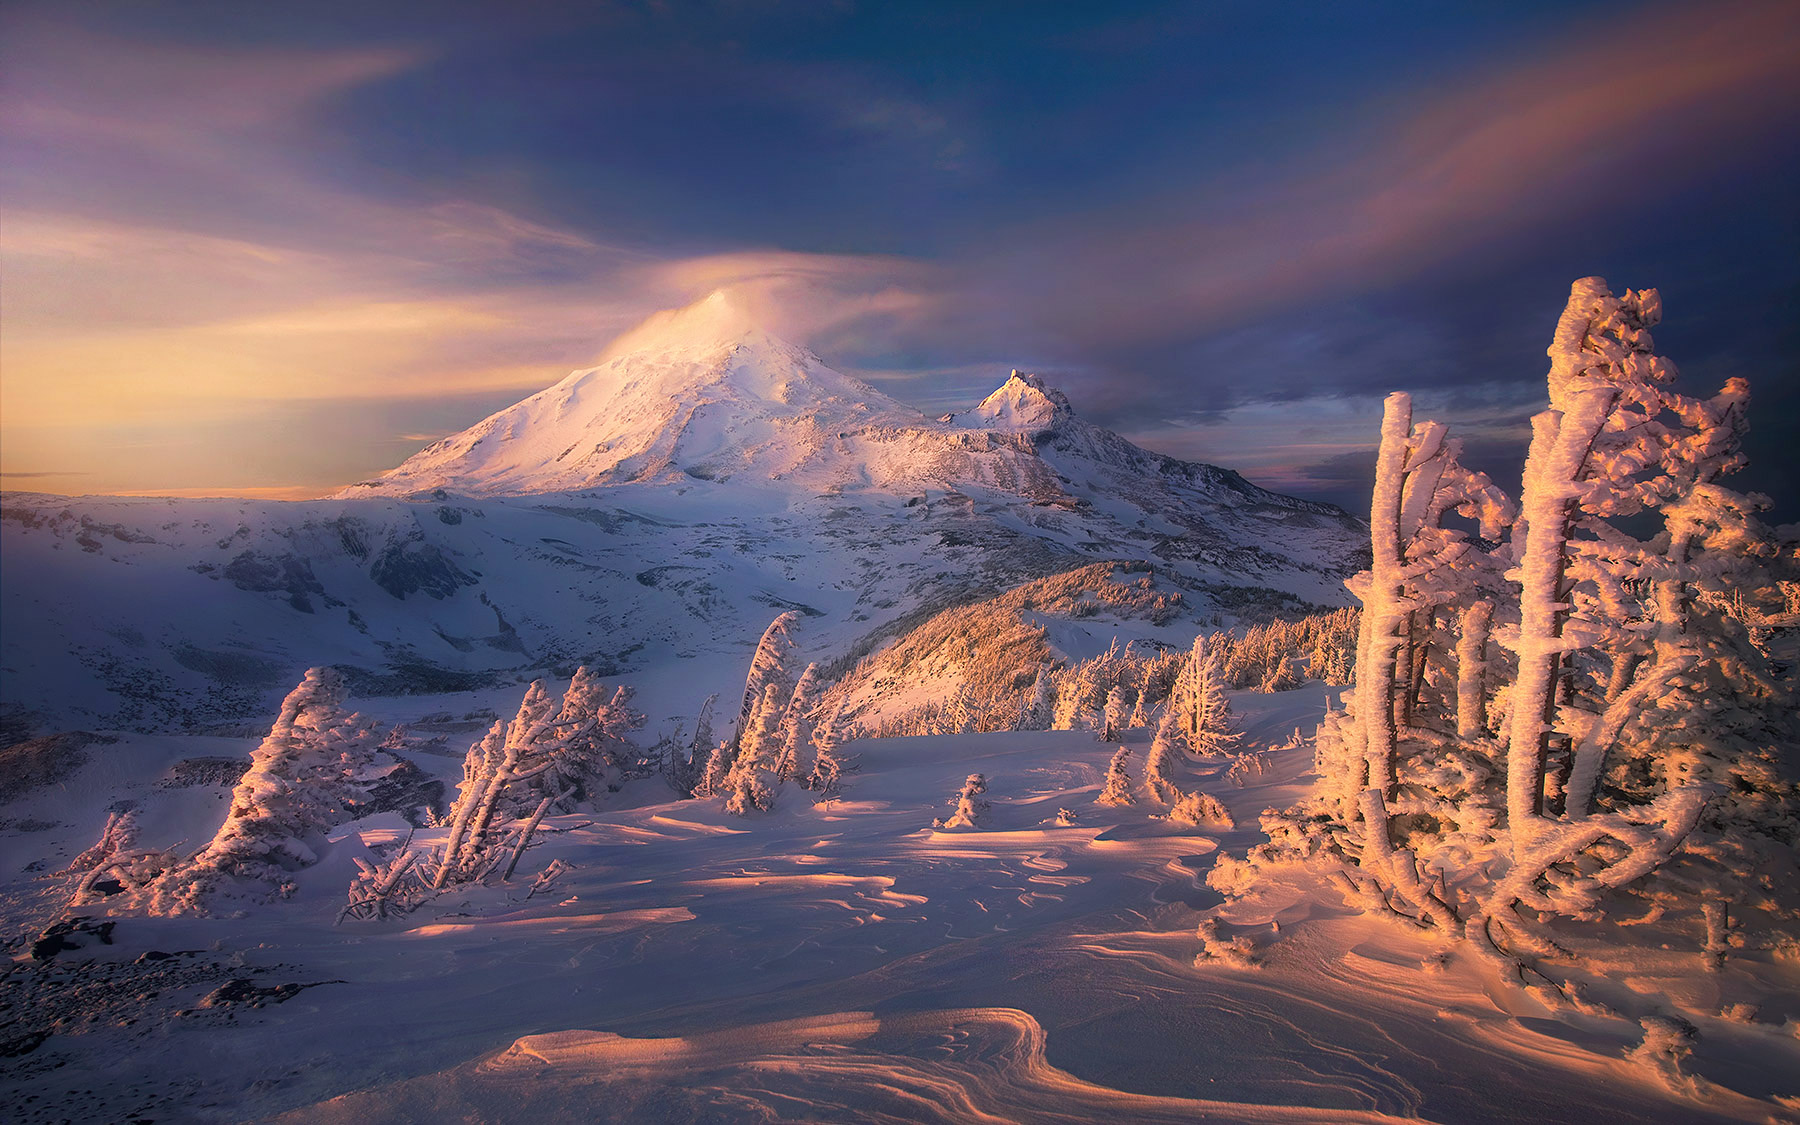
{"x": 845, "y": 962}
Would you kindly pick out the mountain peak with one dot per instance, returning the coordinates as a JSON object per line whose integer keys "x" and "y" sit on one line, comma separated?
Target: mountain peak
{"x": 1023, "y": 402}
{"x": 719, "y": 319}
{"x": 701, "y": 391}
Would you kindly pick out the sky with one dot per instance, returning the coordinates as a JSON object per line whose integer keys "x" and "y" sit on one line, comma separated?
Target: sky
{"x": 269, "y": 250}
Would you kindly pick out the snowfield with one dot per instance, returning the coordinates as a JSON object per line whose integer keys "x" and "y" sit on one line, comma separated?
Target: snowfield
{"x": 839, "y": 962}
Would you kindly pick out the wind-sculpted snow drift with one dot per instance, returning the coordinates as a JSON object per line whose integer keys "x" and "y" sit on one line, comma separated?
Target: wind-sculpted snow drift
{"x": 634, "y": 516}
{"x": 951, "y": 1067}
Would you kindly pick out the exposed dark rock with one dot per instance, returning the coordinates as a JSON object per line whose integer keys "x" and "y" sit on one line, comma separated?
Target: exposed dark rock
{"x": 238, "y": 669}
{"x": 412, "y": 566}
{"x": 37, "y": 762}
{"x": 191, "y": 773}
{"x": 245, "y": 991}
{"x": 69, "y": 934}
{"x": 405, "y": 789}
{"x": 267, "y": 574}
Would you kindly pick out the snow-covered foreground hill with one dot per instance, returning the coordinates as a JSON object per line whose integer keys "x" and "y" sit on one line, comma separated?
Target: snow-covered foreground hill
{"x": 839, "y": 962}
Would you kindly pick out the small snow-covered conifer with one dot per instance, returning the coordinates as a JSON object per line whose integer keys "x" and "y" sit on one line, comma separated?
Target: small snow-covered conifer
{"x": 970, "y": 807}
{"x": 1161, "y": 761}
{"x": 1211, "y": 732}
{"x": 1141, "y": 710}
{"x": 795, "y": 735}
{"x": 829, "y": 766}
{"x": 1118, "y": 781}
{"x": 1113, "y": 718}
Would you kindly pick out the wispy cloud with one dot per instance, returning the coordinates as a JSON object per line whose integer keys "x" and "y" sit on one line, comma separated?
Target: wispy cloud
{"x": 1612, "y": 107}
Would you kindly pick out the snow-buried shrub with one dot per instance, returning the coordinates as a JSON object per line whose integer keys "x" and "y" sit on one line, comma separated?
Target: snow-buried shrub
{"x": 1558, "y": 714}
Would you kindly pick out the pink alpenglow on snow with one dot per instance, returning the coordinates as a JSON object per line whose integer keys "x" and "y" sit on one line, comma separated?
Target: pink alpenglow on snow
{"x": 1514, "y": 841}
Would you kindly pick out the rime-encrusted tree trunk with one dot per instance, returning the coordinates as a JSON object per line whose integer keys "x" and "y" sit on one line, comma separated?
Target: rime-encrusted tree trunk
{"x": 1472, "y": 668}
{"x": 1560, "y": 441}
{"x": 480, "y": 765}
{"x": 1385, "y": 605}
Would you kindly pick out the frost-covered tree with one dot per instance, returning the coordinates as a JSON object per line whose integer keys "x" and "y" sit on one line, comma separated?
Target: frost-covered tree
{"x": 386, "y": 889}
{"x": 116, "y": 858}
{"x": 718, "y": 768}
{"x": 1159, "y": 766}
{"x": 829, "y": 763}
{"x": 1118, "y": 781}
{"x": 770, "y": 664}
{"x": 970, "y": 807}
{"x": 1198, "y": 707}
{"x": 796, "y": 732}
{"x": 1112, "y": 719}
{"x": 752, "y": 782}
{"x": 685, "y": 758}
{"x": 1486, "y": 798}
{"x": 1141, "y": 709}
{"x": 310, "y": 773}
{"x": 1040, "y": 703}
{"x": 550, "y": 753}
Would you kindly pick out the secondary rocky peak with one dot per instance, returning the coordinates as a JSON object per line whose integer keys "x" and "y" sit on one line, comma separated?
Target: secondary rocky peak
{"x": 1023, "y": 402}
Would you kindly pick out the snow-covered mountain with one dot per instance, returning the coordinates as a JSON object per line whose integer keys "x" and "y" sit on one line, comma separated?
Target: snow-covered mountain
{"x": 649, "y": 516}
{"x": 703, "y": 393}
{"x": 700, "y": 392}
